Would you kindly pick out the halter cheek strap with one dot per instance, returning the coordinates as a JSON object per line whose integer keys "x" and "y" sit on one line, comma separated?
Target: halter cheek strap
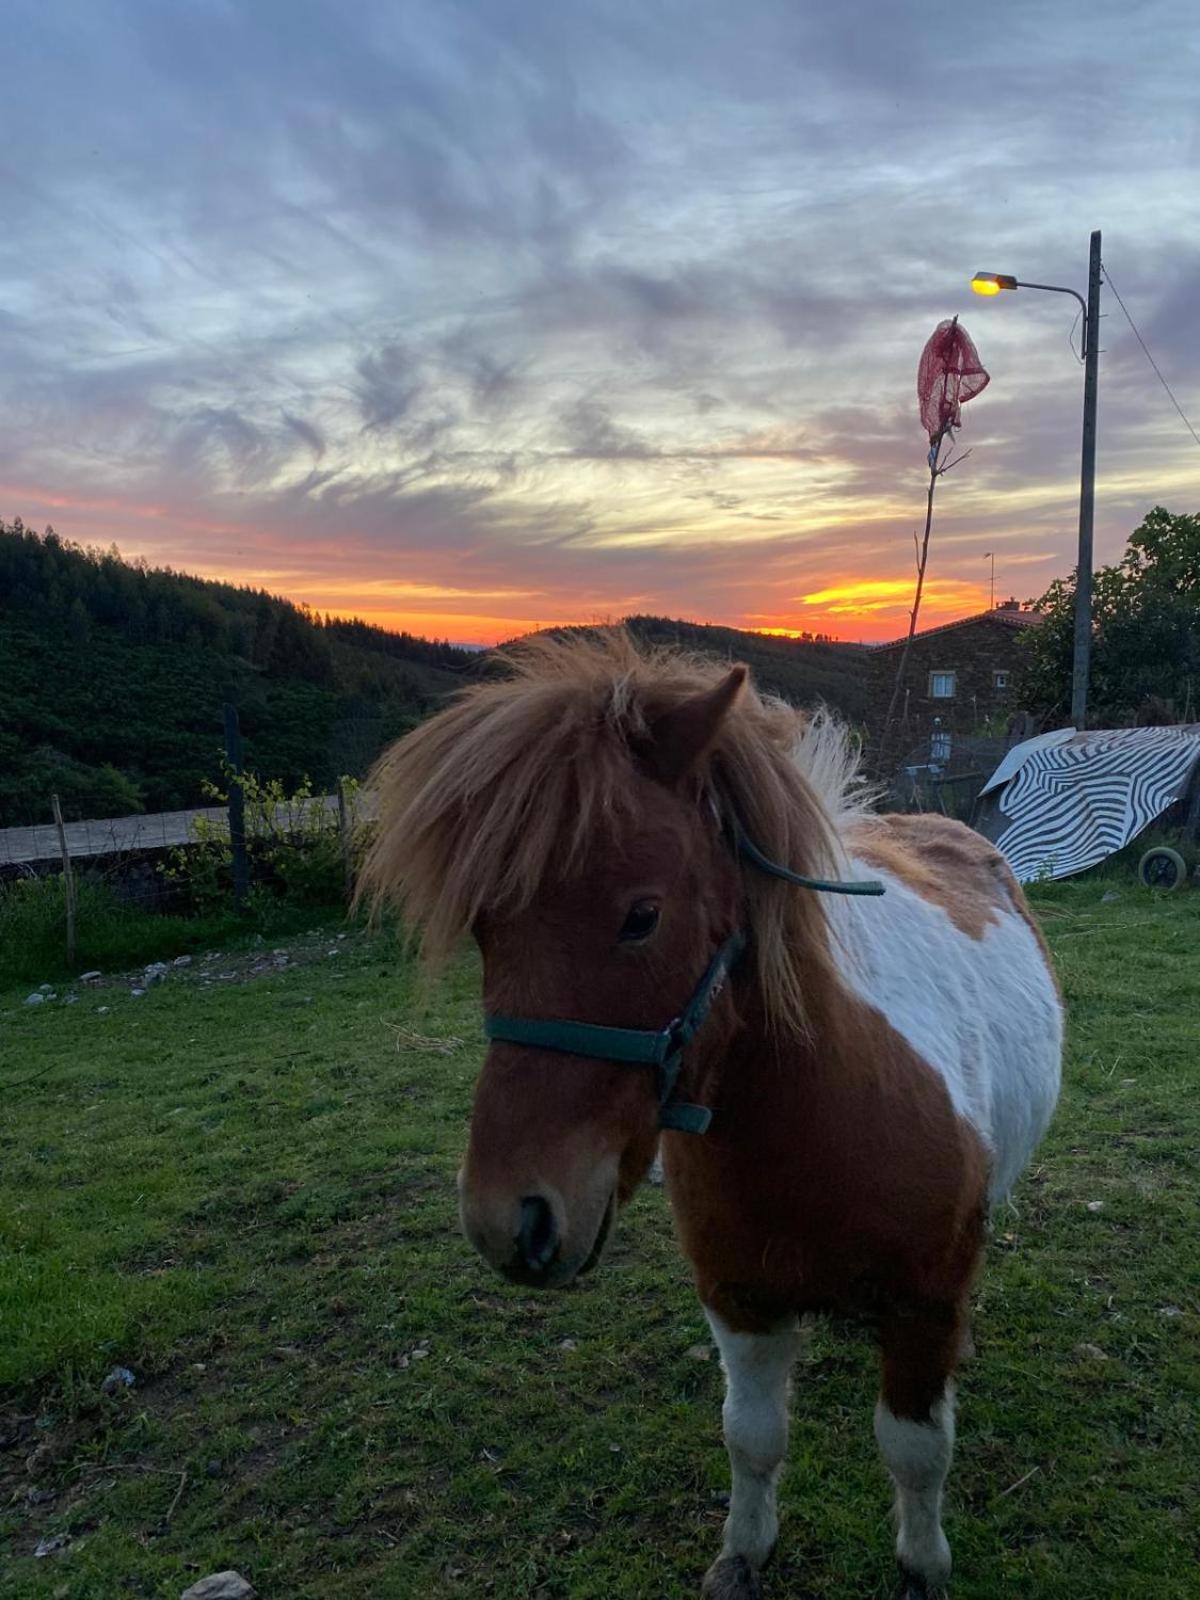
{"x": 663, "y": 1050}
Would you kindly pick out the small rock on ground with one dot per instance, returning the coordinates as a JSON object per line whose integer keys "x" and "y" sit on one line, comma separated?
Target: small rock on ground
{"x": 90, "y": 977}
{"x": 52, "y": 1544}
{"x": 220, "y": 1586}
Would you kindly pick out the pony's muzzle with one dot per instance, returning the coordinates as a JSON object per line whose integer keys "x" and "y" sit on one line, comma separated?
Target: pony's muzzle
{"x": 527, "y": 1240}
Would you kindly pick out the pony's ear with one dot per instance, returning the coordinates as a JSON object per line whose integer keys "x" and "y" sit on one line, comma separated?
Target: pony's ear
{"x": 682, "y": 737}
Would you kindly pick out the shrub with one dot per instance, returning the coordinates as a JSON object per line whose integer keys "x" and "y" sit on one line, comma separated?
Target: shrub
{"x": 293, "y": 845}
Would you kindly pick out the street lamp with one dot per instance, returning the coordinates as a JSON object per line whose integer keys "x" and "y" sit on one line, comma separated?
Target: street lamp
{"x": 987, "y": 283}
{"x": 992, "y": 283}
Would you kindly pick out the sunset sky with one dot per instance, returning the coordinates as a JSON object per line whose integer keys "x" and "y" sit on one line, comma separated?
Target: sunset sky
{"x": 475, "y": 315}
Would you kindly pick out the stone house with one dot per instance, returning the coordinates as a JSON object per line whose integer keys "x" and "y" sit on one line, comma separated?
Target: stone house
{"x": 960, "y": 677}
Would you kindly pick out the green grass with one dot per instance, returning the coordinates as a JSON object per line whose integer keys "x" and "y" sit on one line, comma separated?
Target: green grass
{"x": 244, "y": 1193}
{"x": 112, "y": 934}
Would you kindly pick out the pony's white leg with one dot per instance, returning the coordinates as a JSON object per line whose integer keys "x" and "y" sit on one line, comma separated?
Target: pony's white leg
{"x": 914, "y": 1425}
{"x": 757, "y": 1367}
{"x": 917, "y": 1454}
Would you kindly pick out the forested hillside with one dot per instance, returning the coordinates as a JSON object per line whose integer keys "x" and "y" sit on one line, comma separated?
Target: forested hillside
{"x": 113, "y": 675}
{"x": 112, "y": 678}
{"x": 804, "y": 671}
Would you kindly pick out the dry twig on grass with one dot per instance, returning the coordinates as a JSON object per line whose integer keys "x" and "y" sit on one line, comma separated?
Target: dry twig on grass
{"x": 406, "y": 1039}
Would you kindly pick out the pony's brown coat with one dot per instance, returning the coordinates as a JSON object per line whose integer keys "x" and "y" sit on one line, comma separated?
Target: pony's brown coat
{"x": 837, "y": 1176}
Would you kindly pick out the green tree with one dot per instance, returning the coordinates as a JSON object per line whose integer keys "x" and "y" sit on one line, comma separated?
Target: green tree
{"x": 1145, "y": 632}
{"x": 79, "y": 623}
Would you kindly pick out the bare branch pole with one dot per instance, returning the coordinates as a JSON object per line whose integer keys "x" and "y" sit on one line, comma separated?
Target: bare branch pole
{"x": 949, "y": 374}
{"x": 935, "y": 472}
{"x": 68, "y": 878}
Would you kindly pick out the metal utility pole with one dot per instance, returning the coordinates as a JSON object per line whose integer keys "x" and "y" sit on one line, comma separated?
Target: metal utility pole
{"x": 992, "y": 283}
{"x": 1087, "y": 493}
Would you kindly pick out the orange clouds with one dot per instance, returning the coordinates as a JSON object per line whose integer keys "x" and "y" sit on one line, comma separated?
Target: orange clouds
{"x": 870, "y": 609}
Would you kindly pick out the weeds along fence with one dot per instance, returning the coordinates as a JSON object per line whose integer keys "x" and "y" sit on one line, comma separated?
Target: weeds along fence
{"x": 73, "y": 893}
{"x": 106, "y": 893}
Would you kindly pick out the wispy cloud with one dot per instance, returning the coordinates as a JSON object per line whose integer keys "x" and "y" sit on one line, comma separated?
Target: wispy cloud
{"x": 485, "y": 314}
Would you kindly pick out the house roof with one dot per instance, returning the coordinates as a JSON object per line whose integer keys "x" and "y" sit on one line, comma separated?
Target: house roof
{"x": 1006, "y": 617}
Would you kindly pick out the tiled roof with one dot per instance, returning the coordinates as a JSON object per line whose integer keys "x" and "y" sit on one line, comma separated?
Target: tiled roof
{"x": 1001, "y": 614}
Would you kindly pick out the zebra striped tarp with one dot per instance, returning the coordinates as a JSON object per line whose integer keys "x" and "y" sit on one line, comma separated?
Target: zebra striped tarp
{"x": 1063, "y": 806}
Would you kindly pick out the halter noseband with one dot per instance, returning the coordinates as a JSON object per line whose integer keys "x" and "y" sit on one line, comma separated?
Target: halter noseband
{"x": 663, "y": 1050}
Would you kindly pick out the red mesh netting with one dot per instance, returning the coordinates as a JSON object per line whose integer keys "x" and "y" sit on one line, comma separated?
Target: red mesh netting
{"x": 949, "y": 375}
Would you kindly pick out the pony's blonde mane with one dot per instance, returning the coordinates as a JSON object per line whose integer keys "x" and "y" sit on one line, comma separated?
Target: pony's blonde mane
{"x": 510, "y": 784}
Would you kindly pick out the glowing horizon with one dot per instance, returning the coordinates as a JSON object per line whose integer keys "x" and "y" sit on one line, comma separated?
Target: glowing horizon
{"x": 849, "y": 610}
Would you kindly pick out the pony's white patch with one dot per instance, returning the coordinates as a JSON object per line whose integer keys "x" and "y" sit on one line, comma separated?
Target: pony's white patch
{"x": 917, "y": 1454}
{"x": 757, "y": 1368}
{"x": 984, "y": 1013}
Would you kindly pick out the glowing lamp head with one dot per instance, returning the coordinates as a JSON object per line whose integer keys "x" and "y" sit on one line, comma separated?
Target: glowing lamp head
{"x": 987, "y": 283}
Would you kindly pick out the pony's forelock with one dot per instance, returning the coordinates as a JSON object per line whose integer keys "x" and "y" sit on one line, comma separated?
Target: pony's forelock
{"x": 506, "y": 788}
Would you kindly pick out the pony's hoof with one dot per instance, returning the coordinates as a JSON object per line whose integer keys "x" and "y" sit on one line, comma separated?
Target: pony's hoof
{"x": 731, "y": 1578}
{"x": 914, "y": 1587}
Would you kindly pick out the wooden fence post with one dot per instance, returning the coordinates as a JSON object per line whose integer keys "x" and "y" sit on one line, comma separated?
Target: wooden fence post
{"x": 345, "y": 830}
{"x": 68, "y": 878}
{"x": 237, "y": 804}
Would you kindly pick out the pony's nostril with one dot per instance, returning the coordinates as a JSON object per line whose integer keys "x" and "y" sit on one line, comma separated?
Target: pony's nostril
{"x": 538, "y": 1238}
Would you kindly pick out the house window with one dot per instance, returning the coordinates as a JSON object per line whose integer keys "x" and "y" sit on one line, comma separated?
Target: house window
{"x": 941, "y": 685}
{"x": 999, "y": 680}
{"x": 939, "y": 747}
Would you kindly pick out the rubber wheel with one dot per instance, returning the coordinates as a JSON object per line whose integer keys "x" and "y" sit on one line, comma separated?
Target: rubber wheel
{"x": 1162, "y": 868}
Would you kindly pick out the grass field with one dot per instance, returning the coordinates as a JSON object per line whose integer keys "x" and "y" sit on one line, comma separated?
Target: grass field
{"x": 242, "y": 1190}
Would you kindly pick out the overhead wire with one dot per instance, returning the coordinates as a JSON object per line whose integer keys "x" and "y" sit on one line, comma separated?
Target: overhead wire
{"x": 1149, "y": 357}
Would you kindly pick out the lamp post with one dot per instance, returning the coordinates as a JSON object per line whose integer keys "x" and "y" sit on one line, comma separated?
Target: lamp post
{"x": 991, "y": 283}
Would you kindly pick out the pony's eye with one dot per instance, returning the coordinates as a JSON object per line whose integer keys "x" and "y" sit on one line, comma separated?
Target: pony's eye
{"x": 640, "y": 923}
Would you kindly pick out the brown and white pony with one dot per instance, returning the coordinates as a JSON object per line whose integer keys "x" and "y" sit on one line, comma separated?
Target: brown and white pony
{"x": 879, "y": 1070}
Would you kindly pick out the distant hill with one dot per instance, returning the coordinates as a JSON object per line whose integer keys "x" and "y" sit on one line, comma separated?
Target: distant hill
{"x": 805, "y": 671}
{"x": 113, "y": 674}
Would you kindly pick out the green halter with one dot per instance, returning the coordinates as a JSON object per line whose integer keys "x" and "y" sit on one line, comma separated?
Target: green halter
{"x": 662, "y": 1049}
{"x": 639, "y": 1047}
